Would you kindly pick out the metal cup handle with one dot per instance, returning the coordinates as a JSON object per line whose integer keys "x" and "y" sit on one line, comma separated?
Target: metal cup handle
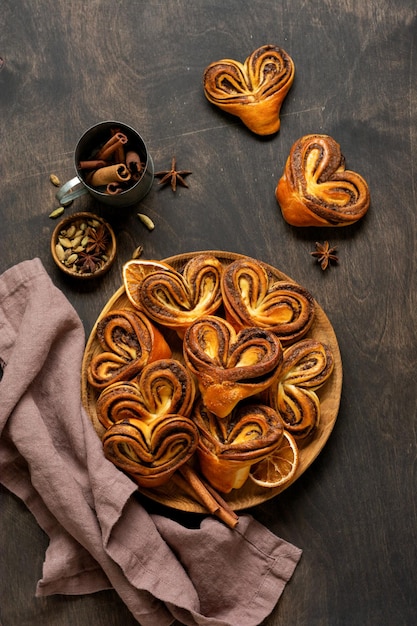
{"x": 70, "y": 190}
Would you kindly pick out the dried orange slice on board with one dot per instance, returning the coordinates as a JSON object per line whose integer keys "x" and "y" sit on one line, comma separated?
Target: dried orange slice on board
{"x": 134, "y": 271}
{"x": 279, "y": 467}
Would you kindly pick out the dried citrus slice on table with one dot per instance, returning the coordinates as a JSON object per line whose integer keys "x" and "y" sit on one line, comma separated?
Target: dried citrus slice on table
{"x": 279, "y": 467}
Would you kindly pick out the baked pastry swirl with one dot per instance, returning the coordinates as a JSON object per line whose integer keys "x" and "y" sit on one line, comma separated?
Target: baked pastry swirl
{"x": 252, "y": 297}
{"x": 150, "y": 451}
{"x": 164, "y": 387}
{"x": 129, "y": 341}
{"x": 307, "y": 365}
{"x": 254, "y": 90}
{"x": 176, "y": 299}
{"x": 230, "y": 366}
{"x": 229, "y": 447}
{"x": 316, "y": 189}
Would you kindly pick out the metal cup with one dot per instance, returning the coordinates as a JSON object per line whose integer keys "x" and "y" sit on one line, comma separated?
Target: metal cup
{"x": 87, "y": 146}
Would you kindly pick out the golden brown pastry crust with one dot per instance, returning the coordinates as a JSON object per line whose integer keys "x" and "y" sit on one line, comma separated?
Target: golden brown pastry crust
{"x": 163, "y": 387}
{"x": 316, "y": 189}
{"x": 230, "y": 366}
{"x": 252, "y": 297}
{"x": 307, "y": 365}
{"x": 151, "y": 451}
{"x": 176, "y": 299}
{"x": 254, "y": 90}
{"x": 229, "y": 447}
{"x": 129, "y": 341}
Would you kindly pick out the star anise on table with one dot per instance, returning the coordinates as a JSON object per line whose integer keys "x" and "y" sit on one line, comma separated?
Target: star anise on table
{"x": 98, "y": 240}
{"x": 88, "y": 262}
{"x": 325, "y": 254}
{"x": 173, "y": 176}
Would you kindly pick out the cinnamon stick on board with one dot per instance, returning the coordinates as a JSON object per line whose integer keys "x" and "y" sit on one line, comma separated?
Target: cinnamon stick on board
{"x": 208, "y": 497}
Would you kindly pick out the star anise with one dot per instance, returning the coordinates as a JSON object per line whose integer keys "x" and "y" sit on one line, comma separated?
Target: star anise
{"x": 173, "y": 176}
{"x": 98, "y": 240}
{"x": 88, "y": 262}
{"x": 325, "y": 254}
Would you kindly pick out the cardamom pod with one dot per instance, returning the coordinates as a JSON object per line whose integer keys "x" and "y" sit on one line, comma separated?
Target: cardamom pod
{"x": 60, "y": 252}
{"x": 65, "y": 242}
{"x": 71, "y": 259}
{"x": 146, "y": 220}
{"x": 55, "y": 180}
{"x": 57, "y": 212}
{"x": 137, "y": 252}
{"x": 76, "y": 241}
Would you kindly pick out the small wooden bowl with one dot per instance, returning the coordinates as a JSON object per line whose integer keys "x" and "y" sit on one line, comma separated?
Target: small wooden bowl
{"x": 71, "y": 259}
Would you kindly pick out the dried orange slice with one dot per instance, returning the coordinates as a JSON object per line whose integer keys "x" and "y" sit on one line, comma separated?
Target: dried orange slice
{"x": 134, "y": 271}
{"x": 279, "y": 467}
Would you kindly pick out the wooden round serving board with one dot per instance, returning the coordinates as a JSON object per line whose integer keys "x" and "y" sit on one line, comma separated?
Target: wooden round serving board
{"x": 249, "y": 495}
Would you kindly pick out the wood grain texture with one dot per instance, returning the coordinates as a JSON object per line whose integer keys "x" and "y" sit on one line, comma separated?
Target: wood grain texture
{"x": 71, "y": 64}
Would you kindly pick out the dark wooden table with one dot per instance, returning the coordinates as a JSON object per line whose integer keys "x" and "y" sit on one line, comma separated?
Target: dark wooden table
{"x": 71, "y": 64}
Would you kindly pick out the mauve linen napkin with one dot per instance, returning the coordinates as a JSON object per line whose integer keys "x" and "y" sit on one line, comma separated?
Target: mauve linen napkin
{"x": 101, "y": 536}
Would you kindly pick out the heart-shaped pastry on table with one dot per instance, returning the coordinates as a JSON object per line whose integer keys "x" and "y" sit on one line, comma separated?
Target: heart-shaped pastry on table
{"x": 164, "y": 387}
{"x": 151, "y": 451}
{"x": 229, "y": 447}
{"x": 254, "y": 90}
{"x": 252, "y": 297}
{"x": 230, "y": 366}
{"x": 171, "y": 298}
{"x": 307, "y": 365}
{"x": 316, "y": 189}
{"x": 128, "y": 341}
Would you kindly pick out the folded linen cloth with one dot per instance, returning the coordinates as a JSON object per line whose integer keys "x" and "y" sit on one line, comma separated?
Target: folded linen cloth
{"x": 101, "y": 535}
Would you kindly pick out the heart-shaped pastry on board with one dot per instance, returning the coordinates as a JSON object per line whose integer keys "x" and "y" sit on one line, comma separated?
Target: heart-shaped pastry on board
{"x": 253, "y": 297}
{"x": 164, "y": 387}
{"x": 254, "y": 90}
{"x": 229, "y": 447}
{"x": 316, "y": 189}
{"x": 230, "y": 366}
{"x": 150, "y": 452}
{"x": 175, "y": 299}
{"x": 128, "y": 341}
{"x": 307, "y": 365}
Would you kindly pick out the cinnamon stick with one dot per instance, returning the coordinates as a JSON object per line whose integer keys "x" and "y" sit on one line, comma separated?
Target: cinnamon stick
{"x": 110, "y": 147}
{"x": 113, "y": 189}
{"x": 134, "y": 164}
{"x": 208, "y": 497}
{"x": 109, "y": 174}
{"x": 92, "y": 164}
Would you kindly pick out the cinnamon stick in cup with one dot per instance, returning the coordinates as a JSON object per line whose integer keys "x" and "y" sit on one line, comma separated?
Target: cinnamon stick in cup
{"x": 111, "y": 146}
{"x": 110, "y": 174}
{"x": 106, "y": 141}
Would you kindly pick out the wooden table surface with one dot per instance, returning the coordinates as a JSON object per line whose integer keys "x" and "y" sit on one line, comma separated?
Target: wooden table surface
{"x": 68, "y": 65}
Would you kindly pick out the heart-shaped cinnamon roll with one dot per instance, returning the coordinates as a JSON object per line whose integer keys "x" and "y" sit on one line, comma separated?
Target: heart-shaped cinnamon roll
{"x": 175, "y": 299}
{"x": 150, "y": 452}
{"x": 253, "y": 297}
{"x": 129, "y": 341}
{"x": 229, "y": 447}
{"x": 230, "y": 366}
{"x": 307, "y": 365}
{"x": 164, "y": 387}
{"x": 254, "y": 90}
{"x": 316, "y": 189}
